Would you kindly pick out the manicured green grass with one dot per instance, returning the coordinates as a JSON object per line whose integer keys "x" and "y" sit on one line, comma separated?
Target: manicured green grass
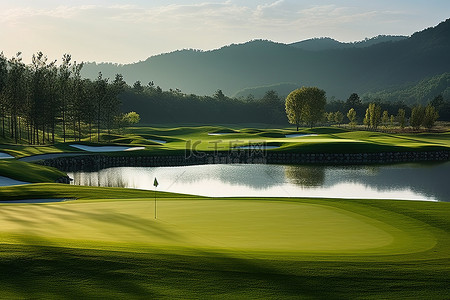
{"x": 323, "y": 140}
{"x": 108, "y": 244}
{"x": 178, "y": 139}
{"x": 54, "y": 190}
{"x": 28, "y": 172}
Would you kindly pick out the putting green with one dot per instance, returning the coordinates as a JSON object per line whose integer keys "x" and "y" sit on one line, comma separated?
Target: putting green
{"x": 238, "y": 225}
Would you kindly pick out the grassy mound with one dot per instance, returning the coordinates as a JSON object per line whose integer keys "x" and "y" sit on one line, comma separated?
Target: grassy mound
{"x": 28, "y": 172}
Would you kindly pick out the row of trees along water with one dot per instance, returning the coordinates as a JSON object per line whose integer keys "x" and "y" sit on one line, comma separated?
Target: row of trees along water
{"x": 43, "y": 98}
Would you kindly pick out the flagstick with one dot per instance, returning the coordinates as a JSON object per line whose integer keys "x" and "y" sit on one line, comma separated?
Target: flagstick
{"x": 155, "y": 202}
{"x": 155, "y": 184}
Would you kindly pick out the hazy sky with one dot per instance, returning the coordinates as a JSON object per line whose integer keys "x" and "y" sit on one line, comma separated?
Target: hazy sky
{"x": 129, "y": 31}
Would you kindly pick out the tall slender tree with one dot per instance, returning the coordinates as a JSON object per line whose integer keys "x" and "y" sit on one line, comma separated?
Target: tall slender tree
{"x": 64, "y": 89}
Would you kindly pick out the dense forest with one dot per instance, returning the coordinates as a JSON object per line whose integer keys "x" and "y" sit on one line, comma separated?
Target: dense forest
{"x": 379, "y": 66}
{"x": 157, "y": 106}
{"x": 420, "y": 92}
{"x": 42, "y": 99}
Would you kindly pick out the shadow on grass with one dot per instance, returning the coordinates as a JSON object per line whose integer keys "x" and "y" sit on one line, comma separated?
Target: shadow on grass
{"x": 49, "y": 272}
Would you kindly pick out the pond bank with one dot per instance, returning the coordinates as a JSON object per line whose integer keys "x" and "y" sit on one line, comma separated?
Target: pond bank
{"x": 97, "y": 162}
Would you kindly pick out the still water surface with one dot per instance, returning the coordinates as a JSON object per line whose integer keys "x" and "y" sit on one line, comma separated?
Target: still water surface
{"x": 429, "y": 182}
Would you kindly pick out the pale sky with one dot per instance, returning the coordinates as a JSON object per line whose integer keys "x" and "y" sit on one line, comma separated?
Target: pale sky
{"x": 129, "y": 31}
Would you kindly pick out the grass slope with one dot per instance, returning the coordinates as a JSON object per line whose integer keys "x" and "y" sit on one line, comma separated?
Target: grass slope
{"x": 108, "y": 244}
{"x": 28, "y": 172}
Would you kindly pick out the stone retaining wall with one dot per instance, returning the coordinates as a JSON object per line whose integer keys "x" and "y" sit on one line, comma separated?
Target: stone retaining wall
{"x": 97, "y": 162}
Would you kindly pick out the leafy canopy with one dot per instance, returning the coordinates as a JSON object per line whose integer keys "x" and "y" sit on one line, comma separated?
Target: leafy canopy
{"x": 305, "y": 105}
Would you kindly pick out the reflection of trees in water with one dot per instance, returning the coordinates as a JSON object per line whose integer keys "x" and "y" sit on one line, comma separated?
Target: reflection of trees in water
{"x": 305, "y": 176}
{"x": 100, "y": 178}
{"x": 253, "y": 176}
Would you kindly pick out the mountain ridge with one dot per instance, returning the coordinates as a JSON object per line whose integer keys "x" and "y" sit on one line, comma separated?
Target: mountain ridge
{"x": 263, "y": 63}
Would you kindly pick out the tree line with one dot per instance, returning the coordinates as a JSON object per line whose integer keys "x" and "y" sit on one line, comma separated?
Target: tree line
{"x": 44, "y": 99}
{"x": 157, "y": 106}
{"x": 376, "y": 113}
{"x": 173, "y": 106}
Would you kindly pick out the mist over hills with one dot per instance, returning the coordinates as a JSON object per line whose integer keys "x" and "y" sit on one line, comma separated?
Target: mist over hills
{"x": 339, "y": 68}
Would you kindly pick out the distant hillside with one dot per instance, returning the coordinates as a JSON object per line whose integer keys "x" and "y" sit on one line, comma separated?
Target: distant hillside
{"x": 420, "y": 92}
{"x": 282, "y": 89}
{"x": 339, "y": 72}
{"x": 326, "y": 43}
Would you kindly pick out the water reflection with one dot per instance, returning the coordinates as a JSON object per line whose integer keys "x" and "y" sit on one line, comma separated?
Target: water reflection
{"x": 306, "y": 176}
{"x": 403, "y": 181}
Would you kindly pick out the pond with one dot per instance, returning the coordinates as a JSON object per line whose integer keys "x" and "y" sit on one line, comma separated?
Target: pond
{"x": 428, "y": 182}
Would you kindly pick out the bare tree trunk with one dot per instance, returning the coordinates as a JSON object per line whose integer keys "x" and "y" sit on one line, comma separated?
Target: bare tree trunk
{"x": 20, "y": 129}
{"x": 15, "y": 129}
{"x": 53, "y": 132}
{"x": 79, "y": 129}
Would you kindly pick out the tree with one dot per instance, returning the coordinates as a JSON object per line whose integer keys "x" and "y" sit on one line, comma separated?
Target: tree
{"x": 430, "y": 116}
{"x": 330, "y": 117}
{"x": 271, "y": 106}
{"x": 353, "y": 101}
{"x": 351, "y": 115}
{"x": 392, "y": 120}
{"x": 3, "y": 80}
{"x": 219, "y": 95}
{"x": 401, "y": 118}
{"x": 16, "y": 93}
{"x": 417, "y": 116}
{"x": 374, "y": 115}
{"x": 64, "y": 74}
{"x": 338, "y": 117}
{"x": 100, "y": 98}
{"x": 385, "y": 118}
{"x": 78, "y": 99}
{"x": 130, "y": 118}
{"x": 111, "y": 110}
{"x": 137, "y": 86}
{"x": 294, "y": 106}
{"x": 366, "y": 120}
{"x": 305, "y": 105}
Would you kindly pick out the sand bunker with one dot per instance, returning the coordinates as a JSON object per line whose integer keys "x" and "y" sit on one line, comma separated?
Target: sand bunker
{"x": 105, "y": 148}
{"x": 157, "y": 141}
{"x": 4, "y": 155}
{"x": 6, "y": 181}
{"x": 299, "y": 135}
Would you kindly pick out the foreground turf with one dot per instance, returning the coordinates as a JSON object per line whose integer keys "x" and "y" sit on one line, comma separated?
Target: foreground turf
{"x": 108, "y": 244}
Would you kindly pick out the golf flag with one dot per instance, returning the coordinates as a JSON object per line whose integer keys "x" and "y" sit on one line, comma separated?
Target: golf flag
{"x": 155, "y": 183}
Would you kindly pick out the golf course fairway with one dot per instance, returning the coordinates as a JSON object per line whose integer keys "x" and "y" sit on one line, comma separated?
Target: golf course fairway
{"x": 201, "y": 247}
